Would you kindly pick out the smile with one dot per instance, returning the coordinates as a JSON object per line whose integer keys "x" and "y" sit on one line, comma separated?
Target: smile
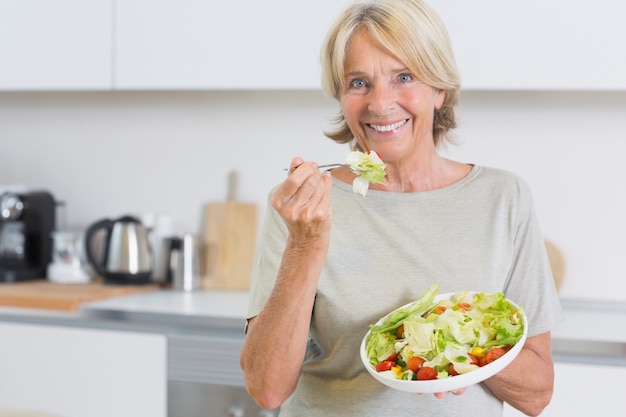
{"x": 388, "y": 128}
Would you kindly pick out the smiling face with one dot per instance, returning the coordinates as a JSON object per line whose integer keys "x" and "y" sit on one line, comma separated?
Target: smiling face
{"x": 385, "y": 106}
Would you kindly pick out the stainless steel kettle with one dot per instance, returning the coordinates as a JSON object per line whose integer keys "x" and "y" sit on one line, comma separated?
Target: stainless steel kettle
{"x": 126, "y": 257}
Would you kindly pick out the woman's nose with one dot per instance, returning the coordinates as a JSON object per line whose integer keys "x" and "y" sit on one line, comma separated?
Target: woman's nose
{"x": 382, "y": 100}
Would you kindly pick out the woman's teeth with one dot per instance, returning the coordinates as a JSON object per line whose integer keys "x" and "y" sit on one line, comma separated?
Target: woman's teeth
{"x": 388, "y": 128}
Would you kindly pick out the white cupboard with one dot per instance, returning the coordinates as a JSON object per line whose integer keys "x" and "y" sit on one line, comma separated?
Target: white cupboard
{"x": 55, "y": 45}
{"x": 197, "y": 44}
{"x": 275, "y": 44}
{"x": 537, "y": 44}
{"x": 80, "y": 372}
{"x": 579, "y": 390}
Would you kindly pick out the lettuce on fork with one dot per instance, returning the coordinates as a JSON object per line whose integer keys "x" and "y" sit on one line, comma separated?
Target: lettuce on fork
{"x": 370, "y": 169}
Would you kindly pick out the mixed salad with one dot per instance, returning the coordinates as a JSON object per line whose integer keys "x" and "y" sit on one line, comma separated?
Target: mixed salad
{"x": 432, "y": 340}
{"x": 371, "y": 169}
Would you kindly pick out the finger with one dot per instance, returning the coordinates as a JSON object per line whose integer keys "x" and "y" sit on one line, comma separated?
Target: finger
{"x": 318, "y": 206}
{"x": 310, "y": 218}
{"x": 305, "y": 206}
{"x": 295, "y": 163}
{"x": 322, "y": 193}
{"x": 311, "y": 203}
{"x": 294, "y": 182}
{"x": 455, "y": 392}
{"x": 302, "y": 184}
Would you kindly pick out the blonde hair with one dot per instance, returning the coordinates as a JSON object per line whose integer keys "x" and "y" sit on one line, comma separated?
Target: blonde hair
{"x": 411, "y": 31}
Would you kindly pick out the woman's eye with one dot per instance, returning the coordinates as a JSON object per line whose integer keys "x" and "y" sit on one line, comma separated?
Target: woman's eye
{"x": 405, "y": 78}
{"x": 357, "y": 84}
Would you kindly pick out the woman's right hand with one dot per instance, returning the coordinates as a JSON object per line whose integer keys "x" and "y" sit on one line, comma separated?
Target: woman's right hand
{"x": 303, "y": 201}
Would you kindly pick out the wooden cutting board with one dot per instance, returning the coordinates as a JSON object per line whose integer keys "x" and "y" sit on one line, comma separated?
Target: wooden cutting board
{"x": 230, "y": 238}
{"x": 43, "y": 294}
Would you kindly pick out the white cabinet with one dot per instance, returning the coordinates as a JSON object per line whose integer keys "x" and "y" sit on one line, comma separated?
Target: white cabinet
{"x": 583, "y": 390}
{"x": 275, "y": 44}
{"x": 537, "y": 44}
{"x": 60, "y": 44}
{"x": 198, "y": 44}
{"x": 79, "y": 372}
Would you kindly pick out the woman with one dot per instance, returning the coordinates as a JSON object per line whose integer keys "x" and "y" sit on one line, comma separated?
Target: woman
{"x": 331, "y": 262}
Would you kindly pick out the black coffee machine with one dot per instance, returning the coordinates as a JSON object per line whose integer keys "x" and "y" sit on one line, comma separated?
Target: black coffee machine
{"x": 26, "y": 223}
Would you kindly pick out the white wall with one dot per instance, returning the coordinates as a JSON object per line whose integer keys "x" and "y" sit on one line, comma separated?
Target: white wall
{"x": 106, "y": 154}
{"x": 570, "y": 148}
{"x": 112, "y": 153}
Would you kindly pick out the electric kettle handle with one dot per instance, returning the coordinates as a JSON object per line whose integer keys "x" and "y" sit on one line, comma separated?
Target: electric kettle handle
{"x": 89, "y": 233}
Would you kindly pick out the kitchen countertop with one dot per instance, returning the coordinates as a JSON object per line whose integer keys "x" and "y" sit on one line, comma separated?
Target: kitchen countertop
{"x": 585, "y": 320}
{"x": 208, "y": 308}
{"x": 163, "y": 311}
{"x": 591, "y": 328}
{"x": 46, "y": 295}
{"x": 592, "y": 331}
{"x": 590, "y": 320}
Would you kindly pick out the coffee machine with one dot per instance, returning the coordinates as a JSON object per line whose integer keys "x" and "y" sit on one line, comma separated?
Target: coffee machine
{"x": 26, "y": 223}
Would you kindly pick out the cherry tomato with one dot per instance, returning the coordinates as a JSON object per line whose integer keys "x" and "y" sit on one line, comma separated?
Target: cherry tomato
{"x": 493, "y": 354}
{"x": 452, "y": 371}
{"x": 426, "y": 372}
{"x": 400, "y": 332}
{"x": 385, "y": 366}
{"x": 392, "y": 358}
{"x": 415, "y": 363}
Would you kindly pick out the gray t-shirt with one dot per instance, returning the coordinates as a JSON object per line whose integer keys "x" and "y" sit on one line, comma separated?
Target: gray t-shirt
{"x": 386, "y": 249}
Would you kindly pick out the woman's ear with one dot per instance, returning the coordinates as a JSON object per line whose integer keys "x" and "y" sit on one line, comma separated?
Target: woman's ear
{"x": 440, "y": 97}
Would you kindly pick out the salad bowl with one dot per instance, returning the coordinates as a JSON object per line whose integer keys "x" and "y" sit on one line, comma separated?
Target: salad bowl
{"x": 449, "y": 383}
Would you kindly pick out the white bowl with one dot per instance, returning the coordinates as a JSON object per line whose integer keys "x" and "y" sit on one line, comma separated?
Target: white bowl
{"x": 445, "y": 384}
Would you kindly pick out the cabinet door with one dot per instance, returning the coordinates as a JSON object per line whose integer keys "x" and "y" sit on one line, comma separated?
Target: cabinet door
{"x": 53, "y": 45}
{"x": 198, "y": 44}
{"x": 580, "y": 388}
{"x": 537, "y": 44}
{"x": 77, "y": 372}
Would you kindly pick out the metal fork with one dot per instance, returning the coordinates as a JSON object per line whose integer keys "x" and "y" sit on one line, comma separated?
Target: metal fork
{"x": 330, "y": 166}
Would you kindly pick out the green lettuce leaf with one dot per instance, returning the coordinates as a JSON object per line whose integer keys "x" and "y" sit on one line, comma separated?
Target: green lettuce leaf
{"x": 380, "y": 346}
{"x": 416, "y": 308}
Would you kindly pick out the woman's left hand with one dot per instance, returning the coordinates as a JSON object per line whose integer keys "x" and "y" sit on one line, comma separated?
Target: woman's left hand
{"x": 455, "y": 392}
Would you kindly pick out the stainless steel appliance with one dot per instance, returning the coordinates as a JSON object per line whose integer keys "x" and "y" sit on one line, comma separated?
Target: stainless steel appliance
{"x": 26, "y": 221}
{"x": 127, "y": 255}
{"x": 183, "y": 261}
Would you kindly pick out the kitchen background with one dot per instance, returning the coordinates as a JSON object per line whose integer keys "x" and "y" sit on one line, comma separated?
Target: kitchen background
{"x": 146, "y": 107}
{"x": 137, "y": 119}
{"x": 109, "y": 153}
